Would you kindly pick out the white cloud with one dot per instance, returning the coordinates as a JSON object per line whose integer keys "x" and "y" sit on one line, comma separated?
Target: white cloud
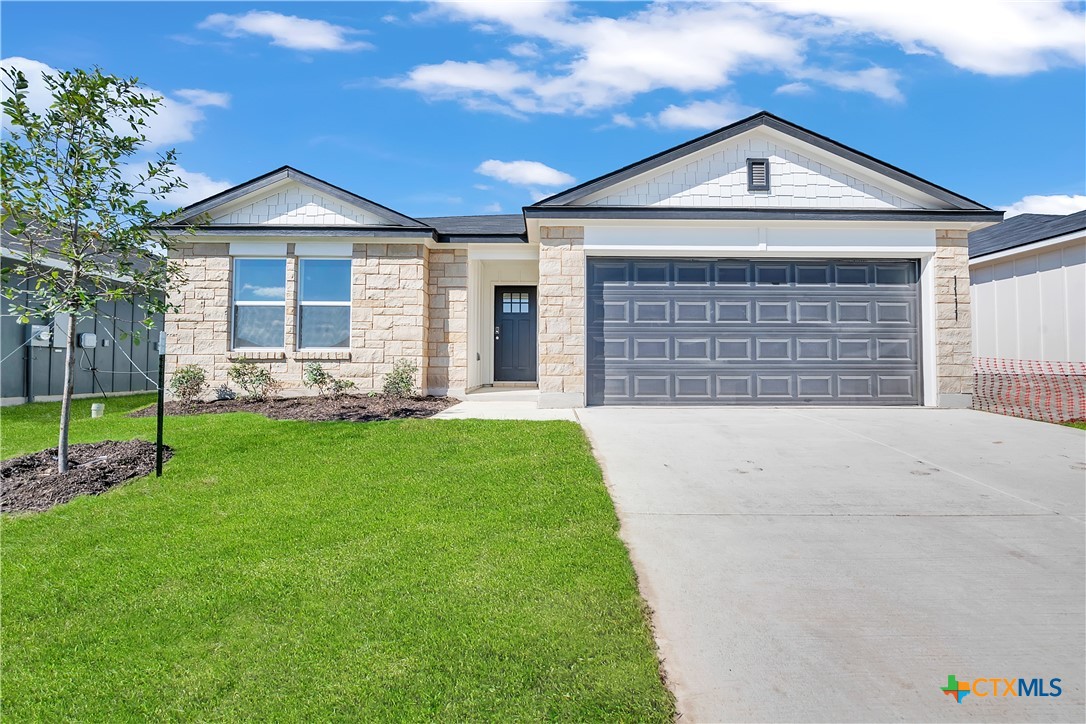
{"x": 622, "y": 119}
{"x": 797, "y": 88}
{"x": 705, "y": 115}
{"x": 494, "y": 208}
{"x": 287, "y": 31}
{"x": 524, "y": 50}
{"x": 1061, "y": 204}
{"x": 483, "y": 187}
{"x": 199, "y": 97}
{"x": 200, "y": 186}
{"x": 879, "y": 82}
{"x": 37, "y": 95}
{"x": 524, "y": 173}
{"x": 598, "y": 63}
{"x": 176, "y": 118}
{"x": 614, "y": 59}
{"x": 994, "y": 38}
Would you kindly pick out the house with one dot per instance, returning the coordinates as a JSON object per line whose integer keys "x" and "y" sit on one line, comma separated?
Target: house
{"x": 1028, "y": 287}
{"x": 762, "y": 263}
{"x": 115, "y": 354}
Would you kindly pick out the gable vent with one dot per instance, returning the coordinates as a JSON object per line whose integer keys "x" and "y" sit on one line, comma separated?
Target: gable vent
{"x": 757, "y": 174}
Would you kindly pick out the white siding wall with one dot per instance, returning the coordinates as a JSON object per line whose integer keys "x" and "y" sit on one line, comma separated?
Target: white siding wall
{"x": 1032, "y": 307}
{"x": 719, "y": 178}
{"x": 299, "y": 205}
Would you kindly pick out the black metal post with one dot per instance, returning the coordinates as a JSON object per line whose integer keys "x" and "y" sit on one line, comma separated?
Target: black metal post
{"x": 161, "y": 411}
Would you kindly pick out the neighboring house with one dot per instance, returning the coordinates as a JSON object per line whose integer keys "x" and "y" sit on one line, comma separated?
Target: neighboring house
{"x": 1028, "y": 282}
{"x": 108, "y": 358}
{"x": 758, "y": 264}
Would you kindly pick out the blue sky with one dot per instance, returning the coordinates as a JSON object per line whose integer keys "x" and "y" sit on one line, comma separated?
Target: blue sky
{"x": 427, "y": 108}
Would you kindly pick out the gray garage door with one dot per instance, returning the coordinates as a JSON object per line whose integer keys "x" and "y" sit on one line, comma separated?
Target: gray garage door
{"x": 747, "y": 332}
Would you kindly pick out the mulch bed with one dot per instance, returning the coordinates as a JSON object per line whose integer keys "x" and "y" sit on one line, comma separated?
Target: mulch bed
{"x": 31, "y": 483}
{"x": 347, "y": 408}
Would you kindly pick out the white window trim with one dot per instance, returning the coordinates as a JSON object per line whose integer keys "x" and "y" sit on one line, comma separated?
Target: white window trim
{"x": 299, "y": 303}
{"x": 235, "y": 302}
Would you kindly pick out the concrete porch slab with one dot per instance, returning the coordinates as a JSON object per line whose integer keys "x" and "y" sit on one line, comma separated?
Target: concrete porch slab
{"x": 498, "y": 403}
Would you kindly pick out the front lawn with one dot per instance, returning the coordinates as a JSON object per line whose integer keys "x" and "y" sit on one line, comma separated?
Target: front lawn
{"x": 409, "y": 570}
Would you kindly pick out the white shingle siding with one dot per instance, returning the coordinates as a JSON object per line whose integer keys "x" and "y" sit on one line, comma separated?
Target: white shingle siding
{"x": 299, "y": 205}
{"x": 719, "y": 178}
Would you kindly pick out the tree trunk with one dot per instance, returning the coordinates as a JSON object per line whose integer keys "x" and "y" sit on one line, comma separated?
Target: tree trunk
{"x": 66, "y": 399}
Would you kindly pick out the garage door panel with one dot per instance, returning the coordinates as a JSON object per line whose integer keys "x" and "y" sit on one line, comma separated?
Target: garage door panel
{"x": 733, "y": 331}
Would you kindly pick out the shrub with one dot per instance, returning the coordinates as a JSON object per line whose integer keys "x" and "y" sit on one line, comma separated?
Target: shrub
{"x": 225, "y": 392}
{"x": 400, "y": 382}
{"x": 257, "y": 382}
{"x": 188, "y": 383}
{"x": 314, "y": 375}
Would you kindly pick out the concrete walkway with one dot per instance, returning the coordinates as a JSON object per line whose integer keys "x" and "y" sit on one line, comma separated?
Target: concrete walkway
{"x": 838, "y": 565}
{"x": 502, "y": 403}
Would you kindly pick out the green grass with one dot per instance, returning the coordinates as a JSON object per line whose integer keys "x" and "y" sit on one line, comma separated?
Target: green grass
{"x": 411, "y": 570}
{"x": 1080, "y": 424}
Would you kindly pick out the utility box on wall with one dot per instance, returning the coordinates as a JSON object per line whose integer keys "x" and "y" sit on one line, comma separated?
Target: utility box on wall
{"x": 40, "y": 336}
{"x": 86, "y": 340}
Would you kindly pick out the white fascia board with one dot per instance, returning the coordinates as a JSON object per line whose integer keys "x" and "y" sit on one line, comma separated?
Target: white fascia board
{"x": 226, "y": 237}
{"x": 323, "y": 248}
{"x": 501, "y": 252}
{"x": 750, "y": 240}
{"x": 1066, "y": 239}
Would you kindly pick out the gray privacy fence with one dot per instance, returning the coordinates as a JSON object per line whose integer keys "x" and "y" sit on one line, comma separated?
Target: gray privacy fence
{"x": 108, "y": 360}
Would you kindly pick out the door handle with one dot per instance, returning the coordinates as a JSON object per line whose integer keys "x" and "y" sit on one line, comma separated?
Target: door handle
{"x": 497, "y": 332}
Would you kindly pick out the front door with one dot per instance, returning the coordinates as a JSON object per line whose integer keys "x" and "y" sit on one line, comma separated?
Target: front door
{"x": 514, "y": 334}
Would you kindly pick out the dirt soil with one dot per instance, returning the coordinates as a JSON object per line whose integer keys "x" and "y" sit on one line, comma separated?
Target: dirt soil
{"x": 31, "y": 483}
{"x": 348, "y": 408}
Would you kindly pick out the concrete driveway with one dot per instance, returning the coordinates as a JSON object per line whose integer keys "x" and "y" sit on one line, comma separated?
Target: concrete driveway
{"x": 839, "y": 564}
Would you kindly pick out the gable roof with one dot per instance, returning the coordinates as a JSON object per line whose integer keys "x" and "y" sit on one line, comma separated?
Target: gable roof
{"x": 768, "y": 120}
{"x": 1023, "y": 229}
{"x": 283, "y": 173}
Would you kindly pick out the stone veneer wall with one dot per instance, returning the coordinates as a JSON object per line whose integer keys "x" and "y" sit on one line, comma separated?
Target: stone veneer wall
{"x": 390, "y": 313}
{"x": 447, "y": 331}
{"x": 561, "y": 316}
{"x": 954, "y": 344}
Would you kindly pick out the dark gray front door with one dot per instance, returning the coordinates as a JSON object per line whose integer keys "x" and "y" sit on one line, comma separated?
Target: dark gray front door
{"x": 514, "y": 334}
{"x": 736, "y": 331}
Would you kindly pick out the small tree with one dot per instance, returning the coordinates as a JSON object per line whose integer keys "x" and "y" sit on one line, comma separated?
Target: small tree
{"x": 256, "y": 382}
{"x": 314, "y": 375}
{"x": 72, "y": 194}
{"x": 400, "y": 382}
{"x": 188, "y": 383}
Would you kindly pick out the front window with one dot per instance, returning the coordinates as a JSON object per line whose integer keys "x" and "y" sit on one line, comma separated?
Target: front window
{"x": 324, "y": 304}
{"x": 260, "y": 287}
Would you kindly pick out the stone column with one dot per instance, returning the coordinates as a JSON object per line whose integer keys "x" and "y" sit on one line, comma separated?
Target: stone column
{"x": 290, "y": 324}
{"x": 447, "y": 331}
{"x": 561, "y": 316}
{"x": 389, "y": 304}
{"x": 199, "y": 331}
{"x": 953, "y": 333}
